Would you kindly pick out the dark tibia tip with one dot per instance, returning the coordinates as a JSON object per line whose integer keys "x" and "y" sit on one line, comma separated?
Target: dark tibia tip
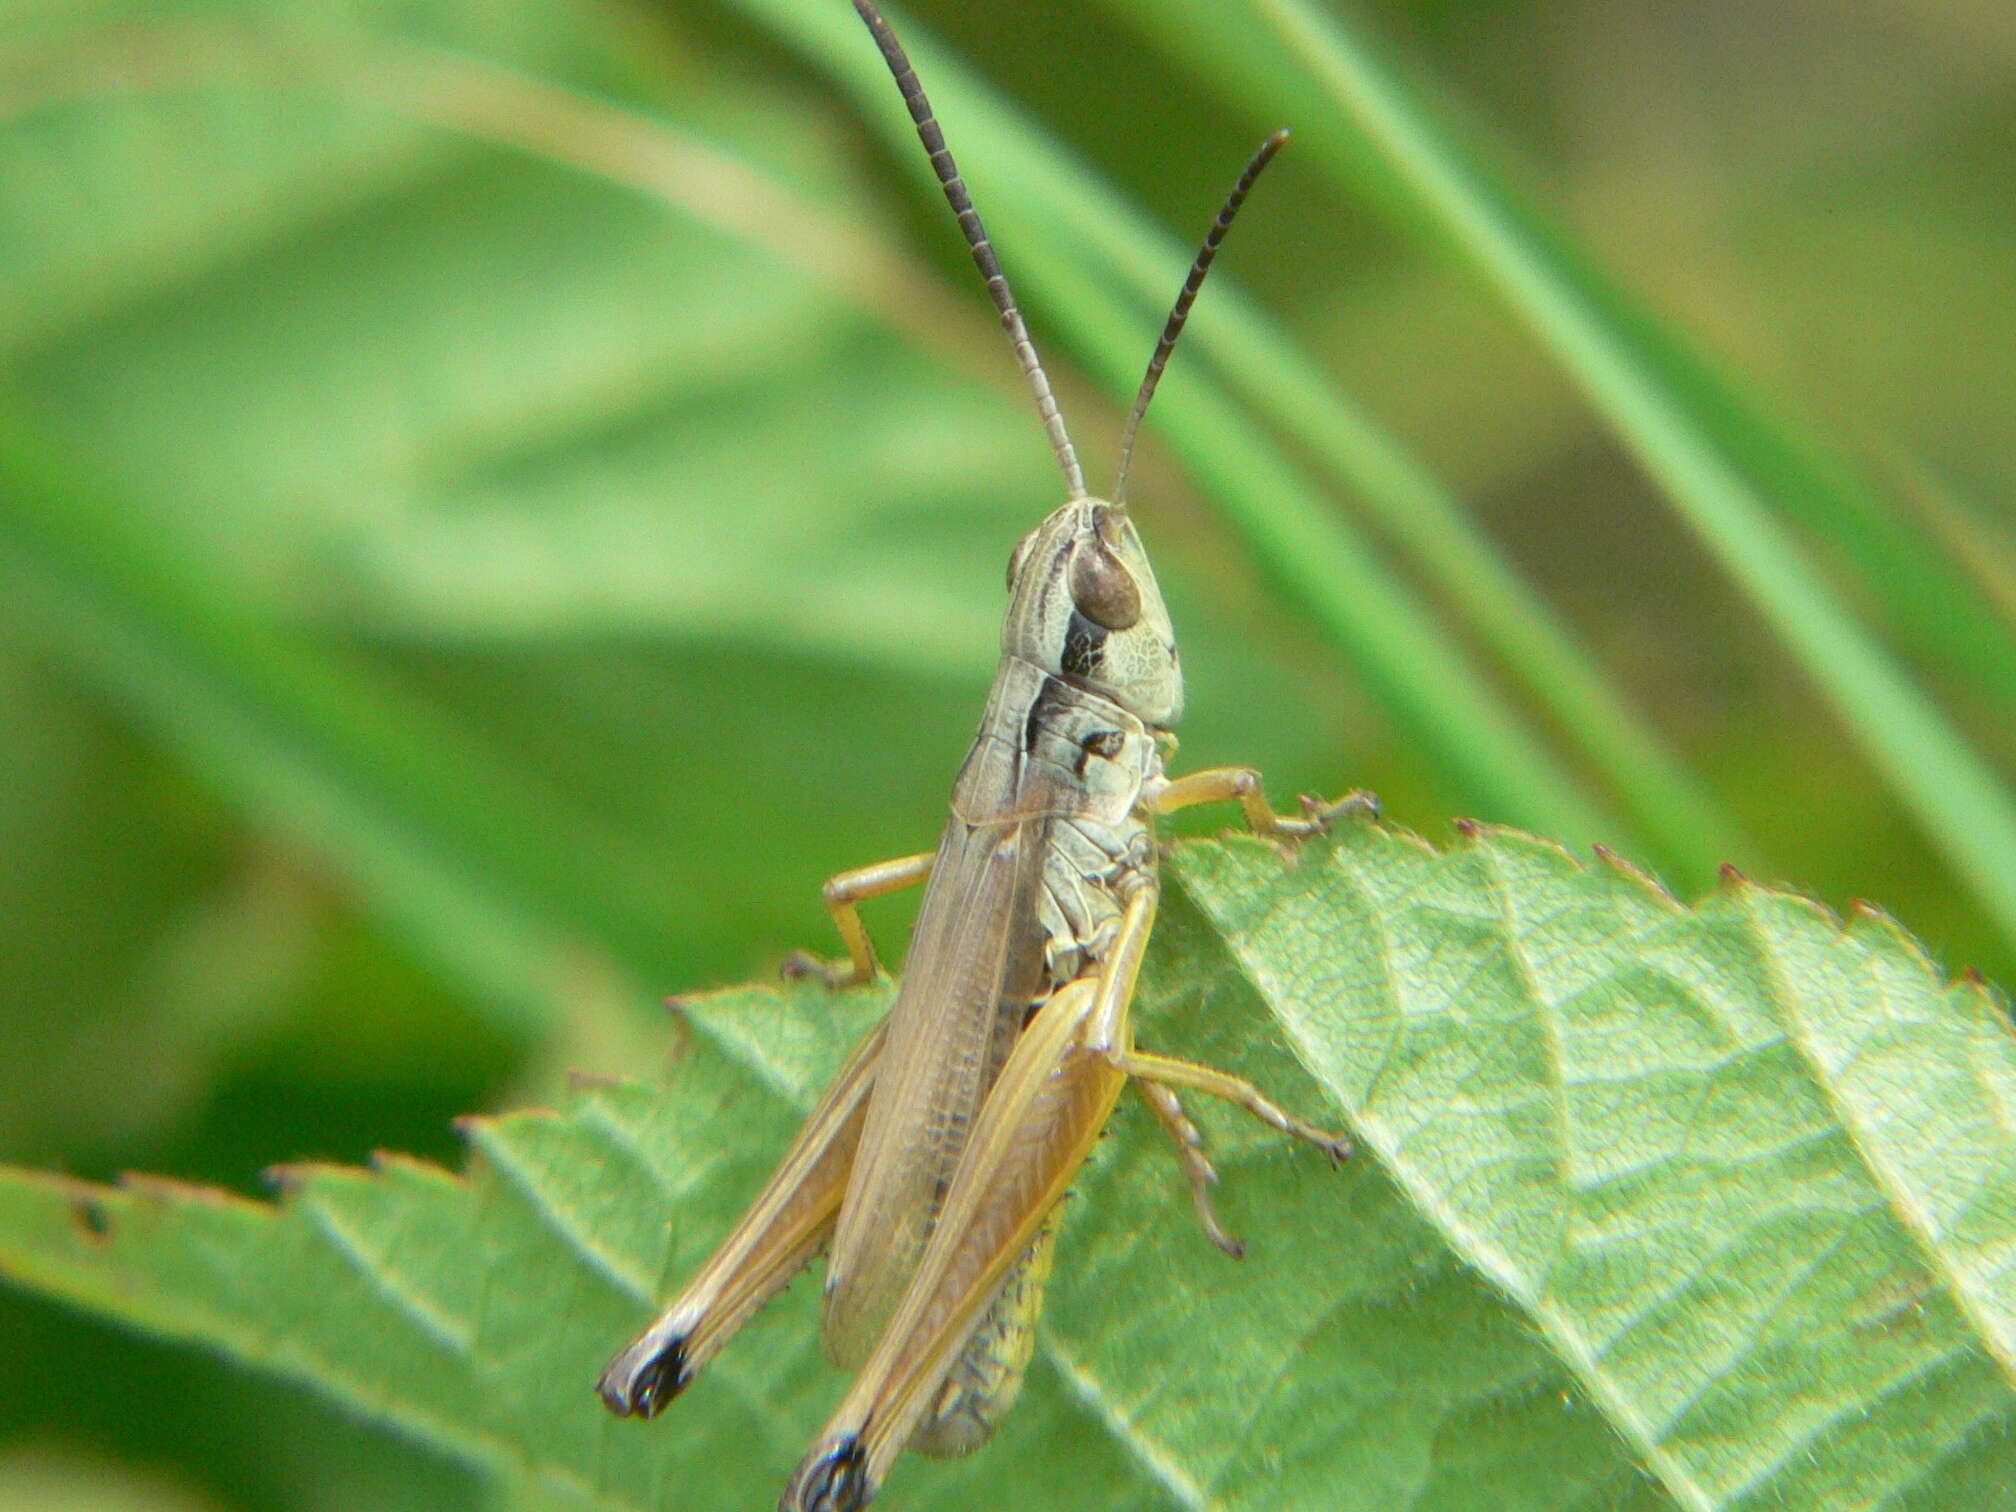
{"x": 642, "y": 1379}
{"x": 834, "y": 1479}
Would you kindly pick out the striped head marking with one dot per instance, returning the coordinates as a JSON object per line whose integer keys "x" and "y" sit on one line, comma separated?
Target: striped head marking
{"x": 1084, "y": 606}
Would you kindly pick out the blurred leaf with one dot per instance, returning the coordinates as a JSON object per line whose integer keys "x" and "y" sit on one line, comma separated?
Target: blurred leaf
{"x": 493, "y": 398}
{"x": 191, "y": 1427}
{"x": 458, "y": 400}
{"x": 520, "y": 430}
{"x": 96, "y": 866}
{"x": 1979, "y": 534}
{"x": 54, "y": 1481}
{"x": 479, "y": 867}
{"x": 149, "y": 147}
{"x": 1718, "y": 455}
{"x": 1652, "y": 1214}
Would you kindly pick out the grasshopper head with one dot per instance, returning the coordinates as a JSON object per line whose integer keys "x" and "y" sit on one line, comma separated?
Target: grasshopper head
{"x": 1082, "y": 600}
{"x": 1083, "y": 606}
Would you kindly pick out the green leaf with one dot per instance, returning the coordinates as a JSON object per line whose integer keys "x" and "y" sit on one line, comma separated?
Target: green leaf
{"x": 488, "y": 390}
{"x": 1750, "y": 1175}
{"x": 1657, "y": 1207}
{"x": 484, "y": 868}
{"x": 45, "y": 1481}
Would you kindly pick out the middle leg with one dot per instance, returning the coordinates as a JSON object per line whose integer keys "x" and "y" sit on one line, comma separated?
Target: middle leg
{"x": 1112, "y": 1035}
{"x": 844, "y": 893}
{"x": 1242, "y": 785}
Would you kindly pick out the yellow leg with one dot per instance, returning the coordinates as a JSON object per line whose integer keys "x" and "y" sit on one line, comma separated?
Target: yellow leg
{"x": 1242, "y": 785}
{"x": 1038, "y": 1123}
{"x": 1111, "y": 1034}
{"x": 844, "y": 895}
{"x": 1121, "y": 971}
{"x": 789, "y": 1222}
{"x": 1040, "y": 1119}
{"x": 1165, "y": 1071}
{"x": 1197, "y": 1168}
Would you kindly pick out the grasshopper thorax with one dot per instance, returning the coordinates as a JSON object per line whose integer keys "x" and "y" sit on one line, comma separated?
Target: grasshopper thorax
{"x": 1083, "y": 606}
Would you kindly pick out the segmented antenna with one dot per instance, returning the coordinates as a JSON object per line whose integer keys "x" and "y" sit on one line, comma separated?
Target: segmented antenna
{"x": 1181, "y": 310}
{"x": 961, "y": 202}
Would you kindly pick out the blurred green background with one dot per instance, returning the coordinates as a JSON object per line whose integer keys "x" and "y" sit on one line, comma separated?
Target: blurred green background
{"x": 498, "y": 500}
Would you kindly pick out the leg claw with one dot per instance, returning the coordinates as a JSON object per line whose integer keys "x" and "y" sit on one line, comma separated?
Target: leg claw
{"x": 1319, "y": 813}
{"x": 802, "y": 963}
{"x": 1353, "y": 804}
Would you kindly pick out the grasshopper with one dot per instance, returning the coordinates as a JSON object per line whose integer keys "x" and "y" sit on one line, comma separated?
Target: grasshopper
{"x": 931, "y": 1171}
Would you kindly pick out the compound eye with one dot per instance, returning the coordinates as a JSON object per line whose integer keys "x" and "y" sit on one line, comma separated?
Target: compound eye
{"x": 1102, "y": 589}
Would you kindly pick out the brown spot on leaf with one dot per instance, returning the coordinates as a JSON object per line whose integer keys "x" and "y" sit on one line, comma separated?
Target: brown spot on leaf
{"x": 93, "y": 1219}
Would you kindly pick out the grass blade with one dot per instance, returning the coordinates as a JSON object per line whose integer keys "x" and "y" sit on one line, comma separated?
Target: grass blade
{"x": 465, "y": 859}
{"x": 1656, "y": 405}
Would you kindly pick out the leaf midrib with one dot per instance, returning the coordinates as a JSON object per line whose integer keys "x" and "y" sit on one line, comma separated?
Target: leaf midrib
{"x": 1908, "y": 1212}
{"x": 1472, "y": 1249}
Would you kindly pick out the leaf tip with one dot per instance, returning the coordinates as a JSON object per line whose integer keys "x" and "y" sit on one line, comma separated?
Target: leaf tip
{"x": 169, "y": 1191}
{"x": 1633, "y": 873}
{"x": 1988, "y": 995}
{"x": 288, "y": 1178}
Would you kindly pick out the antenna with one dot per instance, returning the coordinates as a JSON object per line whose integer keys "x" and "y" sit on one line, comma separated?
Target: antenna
{"x": 1187, "y": 297}
{"x": 961, "y": 202}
